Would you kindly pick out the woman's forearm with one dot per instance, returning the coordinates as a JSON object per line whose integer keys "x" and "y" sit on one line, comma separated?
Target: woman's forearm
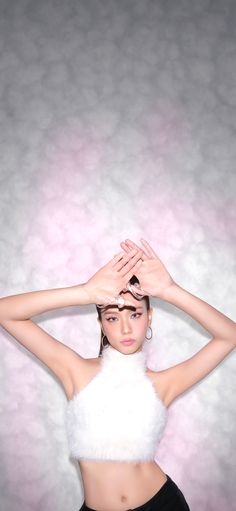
{"x": 210, "y": 318}
{"x": 24, "y": 306}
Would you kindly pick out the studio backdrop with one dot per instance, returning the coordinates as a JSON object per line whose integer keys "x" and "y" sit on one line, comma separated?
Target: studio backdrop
{"x": 117, "y": 120}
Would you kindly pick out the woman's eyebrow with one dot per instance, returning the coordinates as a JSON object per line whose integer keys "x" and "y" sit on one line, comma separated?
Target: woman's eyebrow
{"x": 114, "y": 311}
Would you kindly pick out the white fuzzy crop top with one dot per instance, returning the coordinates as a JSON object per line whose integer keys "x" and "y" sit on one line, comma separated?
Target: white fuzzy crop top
{"x": 118, "y": 415}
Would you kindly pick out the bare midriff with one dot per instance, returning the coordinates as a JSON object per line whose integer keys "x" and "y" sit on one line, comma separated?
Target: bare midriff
{"x": 119, "y": 486}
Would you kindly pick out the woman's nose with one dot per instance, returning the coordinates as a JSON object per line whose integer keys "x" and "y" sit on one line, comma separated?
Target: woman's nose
{"x": 125, "y": 327}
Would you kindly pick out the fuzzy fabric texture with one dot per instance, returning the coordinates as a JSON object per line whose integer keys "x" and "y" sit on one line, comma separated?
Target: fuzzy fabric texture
{"x": 117, "y": 416}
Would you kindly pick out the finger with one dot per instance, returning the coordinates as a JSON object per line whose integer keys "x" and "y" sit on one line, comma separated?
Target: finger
{"x": 125, "y": 247}
{"x": 129, "y": 256}
{"x": 116, "y": 258}
{"x": 128, "y": 249}
{"x": 136, "y": 291}
{"x": 128, "y": 304}
{"x": 106, "y": 300}
{"x": 131, "y": 244}
{"x": 149, "y": 249}
{"x": 138, "y": 296}
{"x": 130, "y": 264}
{"x": 113, "y": 301}
{"x": 125, "y": 259}
{"x": 131, "y": 272}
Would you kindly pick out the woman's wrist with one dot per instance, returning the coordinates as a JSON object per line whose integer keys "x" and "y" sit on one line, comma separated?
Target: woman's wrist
{"x": 83, "y": 294}
{"x": 87, "y": 293}
{"x": 169, "y": 293}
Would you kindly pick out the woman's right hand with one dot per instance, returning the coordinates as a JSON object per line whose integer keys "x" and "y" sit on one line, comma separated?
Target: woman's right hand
{"x": 106, "y": 284}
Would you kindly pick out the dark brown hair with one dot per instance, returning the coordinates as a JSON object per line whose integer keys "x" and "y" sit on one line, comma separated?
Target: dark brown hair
{"x": 133, "y": 280}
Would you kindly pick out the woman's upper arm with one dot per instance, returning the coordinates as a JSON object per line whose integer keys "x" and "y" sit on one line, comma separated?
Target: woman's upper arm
{"x": 61, "y": 360}
{"x": 181, "y": 377}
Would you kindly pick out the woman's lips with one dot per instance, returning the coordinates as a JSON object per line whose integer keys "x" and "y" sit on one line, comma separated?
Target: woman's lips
{"x": 127, "y": 342}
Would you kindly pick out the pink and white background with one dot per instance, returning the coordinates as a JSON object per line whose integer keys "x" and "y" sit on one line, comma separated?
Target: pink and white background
{"x": 117, "y": 120}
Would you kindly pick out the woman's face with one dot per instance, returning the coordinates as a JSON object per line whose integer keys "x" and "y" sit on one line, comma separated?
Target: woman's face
{"x": 130, "y": 321}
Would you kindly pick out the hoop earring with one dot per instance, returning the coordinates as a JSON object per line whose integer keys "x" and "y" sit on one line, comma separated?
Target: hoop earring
{"x": 104, "y": 345}
{"x": 149, "y": 338}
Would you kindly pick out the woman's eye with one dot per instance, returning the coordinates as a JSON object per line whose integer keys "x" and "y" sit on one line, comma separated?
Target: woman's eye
{"x": 114, "y": 317}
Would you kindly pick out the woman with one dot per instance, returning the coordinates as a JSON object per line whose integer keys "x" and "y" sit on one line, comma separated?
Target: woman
{"x": 111, "y": 483}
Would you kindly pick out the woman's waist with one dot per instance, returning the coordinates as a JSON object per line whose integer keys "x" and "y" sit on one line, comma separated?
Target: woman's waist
{"x": 120, "y": 486}
{"x": 102, "y": 475}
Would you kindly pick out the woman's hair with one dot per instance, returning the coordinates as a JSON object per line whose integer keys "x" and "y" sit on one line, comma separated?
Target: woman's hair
{"x": 133, "y": 280}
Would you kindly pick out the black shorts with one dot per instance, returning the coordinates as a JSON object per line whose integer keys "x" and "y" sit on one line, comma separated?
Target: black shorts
{"x": 168, "y": 498}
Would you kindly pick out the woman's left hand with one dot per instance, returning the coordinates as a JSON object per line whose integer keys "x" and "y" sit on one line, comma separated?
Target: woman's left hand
{"x": 154, "y": 279}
